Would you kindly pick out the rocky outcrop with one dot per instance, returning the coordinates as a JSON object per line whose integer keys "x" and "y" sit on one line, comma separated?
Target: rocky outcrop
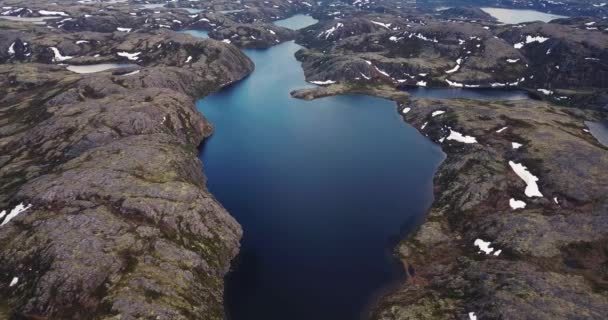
{"x": 492, "y": 246}
{"x": 561, "y": 63}
{"x": 118, "y": 222}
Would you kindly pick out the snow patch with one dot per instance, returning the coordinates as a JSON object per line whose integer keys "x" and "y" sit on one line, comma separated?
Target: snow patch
{"x": 485, "y": 247}
{"x": 131, "y": 56}
{"x": 13, "y": 213}
{"x": 52, "y": 13}
{"x": 58, "y": 56}
{"x": 530, "y": 180}
{"x": 516, "y": 204}
{"x": 457, "y": 136}
{"x": 320, "y": 83}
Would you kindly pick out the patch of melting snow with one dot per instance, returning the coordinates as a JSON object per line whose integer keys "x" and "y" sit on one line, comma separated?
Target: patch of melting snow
{"x": 385, "y": 25}
{"x": 326, "y": 82}
{"x": 512, "y": 60}
{"x": 331, "y": 30}
{"x": 130, "y": 73}
{"x": 422, "y": 37}
{"x": 188, "y": 59}
{"x": 472, "y": 316}
{"x": 457, "y": 136}
{"x": 516, "y": 145}
{"x": 424, "y": 126}
{"x": 382, "y": 72}
{"x": 131, "y": 56}
{"x": 530, "y": 39}
{"x": 406, "y": 110}
{"x": 82, "y": 41}
{"x": 457, "y": 67}
{"x": 545, "y": 91}
{"x": 11, "y": 49}
{"x": 530, "y": 180}
{"x": 52, "y": 13}
{"x": 421, "y": 83}
{"x": 516, "y": 204}
{"x": 14, "y": 281}
{"x": 436, "y": 113}
{"x": 13, "y": 213}
{"x": 454, "y": 84}
{"x": 123, "y": 29}
{"x": 226, "y": 41}
{"x": 58, "y": 56}
{"x": 485, "y": 247}
{"x": 501, "y": 129}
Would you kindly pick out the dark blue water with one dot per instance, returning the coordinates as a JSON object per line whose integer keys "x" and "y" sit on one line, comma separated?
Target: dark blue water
{"x": 320, "y": 188}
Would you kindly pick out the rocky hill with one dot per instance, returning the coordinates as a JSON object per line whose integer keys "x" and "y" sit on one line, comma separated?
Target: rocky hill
{"x": 105, "y": 209}
{"x": 560, "y": 62}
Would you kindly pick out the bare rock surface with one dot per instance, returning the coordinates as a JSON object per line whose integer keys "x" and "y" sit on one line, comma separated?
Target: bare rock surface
{"x": 118, "y": 223}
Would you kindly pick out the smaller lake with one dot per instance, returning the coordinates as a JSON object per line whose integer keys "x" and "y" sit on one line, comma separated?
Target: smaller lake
{"x": 599, "y": 130}
{"x": 92, "y": 68}
{"x": 231, "y": 11}
{"x": 153, "y": 5}
{"x": 296, "y": 22}
{"x": 458, "y": 93}
{"x": 192, "y": 10}
{"x": 196, "y": 33}
{"x": 515, "y": 16}
{"x": 35, "y": 20}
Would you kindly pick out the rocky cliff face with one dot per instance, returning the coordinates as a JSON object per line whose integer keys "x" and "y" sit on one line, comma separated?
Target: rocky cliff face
{"x": 118, "y": 222}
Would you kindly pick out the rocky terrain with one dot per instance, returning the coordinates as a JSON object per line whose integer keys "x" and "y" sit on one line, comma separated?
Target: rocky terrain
{"x": 107, "y": 215}
{"x": 246, "y": 25}
{"x": 105, "y": 211}
{"x": 498, "y": 245}
{"x": 563, "y": 7}
{"x": 563, "y": 62}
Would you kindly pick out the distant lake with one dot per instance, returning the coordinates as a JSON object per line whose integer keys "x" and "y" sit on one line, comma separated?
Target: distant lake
{"x": 468, "y": 93}
{"x": 91, "y": 68}
{"x": 297, "y": 21}
{"x": 35, "y": 20}
{"x": 320, "y": 188}
{"x": 599, "y": 130}
{"x": 153, "y": 5}
{"x": 192, "y": 10}
{"x": 515, "y": 16}
{"x": 196, "y": 33}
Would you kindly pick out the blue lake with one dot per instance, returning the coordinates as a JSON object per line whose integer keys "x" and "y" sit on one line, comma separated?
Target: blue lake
{"x": 516, "y": 16}
{"x": 196, "y": 33}
{"x": 320, "y": 188}
{"x": 297, "y": 21}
